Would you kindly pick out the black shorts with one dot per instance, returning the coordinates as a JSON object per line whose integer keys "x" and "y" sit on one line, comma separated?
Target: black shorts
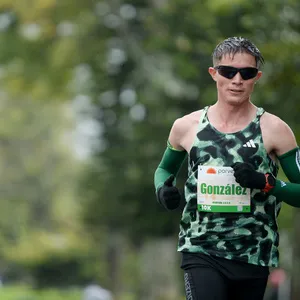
{"x": 212, "y": 278}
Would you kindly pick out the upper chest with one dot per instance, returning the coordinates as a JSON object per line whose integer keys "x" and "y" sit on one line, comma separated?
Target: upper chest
{"x": 201, "y": 132}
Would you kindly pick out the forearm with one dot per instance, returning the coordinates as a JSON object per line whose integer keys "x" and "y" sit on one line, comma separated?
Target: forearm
{"x": 290, "y": 164}
{"x": 169, "y": 165}
{"x": 160, "y": 176}
{"x": 287, "y": 192}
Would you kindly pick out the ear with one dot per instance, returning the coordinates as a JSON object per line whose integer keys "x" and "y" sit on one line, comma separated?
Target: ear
{"x": 212, "y": 71}
{"x": 259, "y": 74}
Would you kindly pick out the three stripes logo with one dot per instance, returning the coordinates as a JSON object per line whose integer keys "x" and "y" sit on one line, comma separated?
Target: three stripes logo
{"x": 249, "y": 144}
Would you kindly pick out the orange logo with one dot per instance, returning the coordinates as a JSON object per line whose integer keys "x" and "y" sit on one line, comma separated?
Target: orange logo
{"x": 211, "y": 171}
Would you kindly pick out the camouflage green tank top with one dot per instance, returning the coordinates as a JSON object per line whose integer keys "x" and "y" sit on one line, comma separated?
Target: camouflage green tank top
{"x": 247, "y": 237}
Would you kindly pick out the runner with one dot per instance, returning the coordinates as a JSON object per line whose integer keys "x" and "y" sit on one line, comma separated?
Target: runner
{"x": 228, "y": 231}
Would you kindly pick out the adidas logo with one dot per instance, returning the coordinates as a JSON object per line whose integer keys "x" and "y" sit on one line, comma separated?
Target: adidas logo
{"x": 282, "y": 184}
{"x": 249, "y": 144}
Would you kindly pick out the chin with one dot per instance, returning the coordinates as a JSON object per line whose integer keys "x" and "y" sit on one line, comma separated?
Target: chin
{"x": 235, "y": 101}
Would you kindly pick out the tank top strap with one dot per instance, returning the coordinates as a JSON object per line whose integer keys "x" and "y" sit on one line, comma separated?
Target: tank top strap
{"x": 260, "y": 111}
{"x": 203, "y": 117}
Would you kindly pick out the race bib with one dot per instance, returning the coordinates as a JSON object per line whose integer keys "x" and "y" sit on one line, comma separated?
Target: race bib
{"x": 217, "y": 191}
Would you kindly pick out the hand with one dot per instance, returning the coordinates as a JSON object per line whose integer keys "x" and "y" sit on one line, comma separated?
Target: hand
{"x": 247, "y": 177}
{"x": 168, "y": 195}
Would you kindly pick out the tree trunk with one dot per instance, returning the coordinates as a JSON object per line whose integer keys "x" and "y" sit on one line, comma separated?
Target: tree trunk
{"x": 114, "y": 253}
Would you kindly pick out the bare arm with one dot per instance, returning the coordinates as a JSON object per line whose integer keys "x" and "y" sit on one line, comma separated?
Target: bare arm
{"x": 285, "y": 140}
{"x": 281, "y": 141}
{"x": 177, "y": 133}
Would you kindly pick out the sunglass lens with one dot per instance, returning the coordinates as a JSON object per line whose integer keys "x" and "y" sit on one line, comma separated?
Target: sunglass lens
{"x": 248, "y": 73}
{"x": 228, "y": 72}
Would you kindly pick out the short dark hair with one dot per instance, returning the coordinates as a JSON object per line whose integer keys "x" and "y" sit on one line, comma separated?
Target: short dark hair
{"x": 233, "y": 45}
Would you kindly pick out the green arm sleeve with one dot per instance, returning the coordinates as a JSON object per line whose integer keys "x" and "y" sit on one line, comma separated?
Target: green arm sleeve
{"x": 287, "y": 192}
{"x": 290, "y": 163}
{"x": 170, "y": 165}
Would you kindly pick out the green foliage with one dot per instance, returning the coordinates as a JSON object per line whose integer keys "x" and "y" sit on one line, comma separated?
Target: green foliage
{"x": 33, "y": 157}
{"x": 59, "y": 259}
{"x": 38, "y": 207}
{"x": 143, "y": 64}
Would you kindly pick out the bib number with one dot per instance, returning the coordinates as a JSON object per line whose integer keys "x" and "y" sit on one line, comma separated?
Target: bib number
{"x": 217, "y": 191}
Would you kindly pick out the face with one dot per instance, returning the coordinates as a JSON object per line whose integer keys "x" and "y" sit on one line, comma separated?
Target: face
{"x": 235, "y": 91}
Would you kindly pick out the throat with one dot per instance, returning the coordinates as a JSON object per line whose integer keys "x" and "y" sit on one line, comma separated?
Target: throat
{"x": 230, "y": 121}
{"x": 230, "y": 128}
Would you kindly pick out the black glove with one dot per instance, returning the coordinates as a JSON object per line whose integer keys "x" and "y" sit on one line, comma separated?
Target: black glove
{"x": 168, "y": 195}
{"x": 247, "y": 177}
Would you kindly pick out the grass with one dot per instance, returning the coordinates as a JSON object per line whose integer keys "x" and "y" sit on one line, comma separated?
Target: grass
{"x": 27, "y": 293}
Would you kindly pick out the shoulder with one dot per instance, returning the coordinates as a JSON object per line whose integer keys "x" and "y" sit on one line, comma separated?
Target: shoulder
{"x": 182, "y": 126}
{"x": 274, "y": 123}
{"x": 278, "y": 132}
{"x": 183, "y": 123}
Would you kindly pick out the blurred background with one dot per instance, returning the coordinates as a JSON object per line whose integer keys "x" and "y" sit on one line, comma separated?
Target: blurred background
{"x": 88, "y": 93}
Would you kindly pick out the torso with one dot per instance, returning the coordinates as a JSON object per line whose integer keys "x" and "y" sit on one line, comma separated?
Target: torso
{"x": 210, "y": 142}
{"x": 248, "y": 237}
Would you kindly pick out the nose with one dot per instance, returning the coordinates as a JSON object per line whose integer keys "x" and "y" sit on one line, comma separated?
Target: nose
{"x": 237, "y": 79}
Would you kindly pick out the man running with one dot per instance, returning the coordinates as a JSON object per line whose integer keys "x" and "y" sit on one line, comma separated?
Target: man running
{"x": 228, "y": 231}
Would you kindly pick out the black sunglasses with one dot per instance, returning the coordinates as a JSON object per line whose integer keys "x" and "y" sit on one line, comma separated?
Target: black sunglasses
{"x": 230, "y": 72}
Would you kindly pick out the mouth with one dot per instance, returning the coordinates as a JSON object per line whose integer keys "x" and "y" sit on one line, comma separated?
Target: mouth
{"x": 235, "y": 91}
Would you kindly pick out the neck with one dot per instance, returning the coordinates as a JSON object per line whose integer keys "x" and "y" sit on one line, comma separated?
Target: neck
{"x": 227, "y": 118}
